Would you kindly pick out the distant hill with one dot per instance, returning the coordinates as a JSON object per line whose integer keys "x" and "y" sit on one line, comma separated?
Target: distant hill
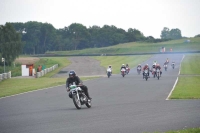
{"x": 182, "y": 45}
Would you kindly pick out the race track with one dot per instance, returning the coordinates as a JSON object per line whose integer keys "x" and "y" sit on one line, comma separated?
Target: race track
{"x": 119, "y": 105}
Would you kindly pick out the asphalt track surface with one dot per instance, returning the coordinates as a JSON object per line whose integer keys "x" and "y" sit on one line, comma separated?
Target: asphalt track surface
{"x": 119, "y": 105}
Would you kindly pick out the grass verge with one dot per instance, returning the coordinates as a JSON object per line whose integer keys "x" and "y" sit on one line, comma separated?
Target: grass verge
{"x": 189, "y": 130}
{"x": 16, "y": 86}
{"x": 188, "y": 86}
{"x": 190, "y": 64}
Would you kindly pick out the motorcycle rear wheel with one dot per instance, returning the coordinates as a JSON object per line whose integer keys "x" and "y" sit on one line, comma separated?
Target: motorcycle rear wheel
{"x": 76, "y": 101}
{"x": 89, "y": 104}
{"x": 108, "y": 75}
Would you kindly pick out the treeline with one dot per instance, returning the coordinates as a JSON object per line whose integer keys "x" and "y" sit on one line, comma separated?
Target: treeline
{"x": 41, "y": 37}
{"x": 37, "y": 38}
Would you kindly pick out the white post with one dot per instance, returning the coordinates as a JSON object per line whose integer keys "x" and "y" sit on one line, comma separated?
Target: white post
{"x": 3, "y": 60}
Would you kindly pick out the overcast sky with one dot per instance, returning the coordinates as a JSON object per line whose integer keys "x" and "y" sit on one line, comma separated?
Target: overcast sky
{"x": 148, "y": 16}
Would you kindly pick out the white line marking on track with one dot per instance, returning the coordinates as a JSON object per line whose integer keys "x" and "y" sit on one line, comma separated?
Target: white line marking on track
{"x": 176, "y": 79}
{"x": 172, "y": 89}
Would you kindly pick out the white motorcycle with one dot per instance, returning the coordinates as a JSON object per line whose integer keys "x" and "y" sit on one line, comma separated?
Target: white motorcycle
{"x": 154, "y": 72}
{"x": 109, "y": 71}
{"x": 173, "y": 65}
{"x": 138, "y": 70}
{"x": 79, "y": 97}
{"x": 165, "y": 66}
{"x": 127, "y": 70}
{"x": 158, "y": 73}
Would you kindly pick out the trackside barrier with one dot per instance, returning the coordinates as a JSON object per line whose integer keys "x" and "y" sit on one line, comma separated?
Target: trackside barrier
{"x": 45, "y": 71}
{"x": 5, "y": 76}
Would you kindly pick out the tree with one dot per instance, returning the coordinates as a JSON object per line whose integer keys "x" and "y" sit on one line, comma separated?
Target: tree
{"x": 134, "y": 35}
{"x": 175, "y": 34}
{"x": 197, "y": 35}
{"x": 165, "y": 33}
{"x": 10, "y": 43}
{"x": 32, "y": 37}
{"x": 47, "y": 35}
{"x": 79, "y": 35}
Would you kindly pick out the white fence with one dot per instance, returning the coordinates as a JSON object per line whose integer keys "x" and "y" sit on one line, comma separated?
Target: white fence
{"x": 45, "y": 71}
{"x": 4, "y": 76}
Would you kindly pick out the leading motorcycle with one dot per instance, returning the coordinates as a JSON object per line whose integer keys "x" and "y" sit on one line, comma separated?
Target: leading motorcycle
{"x": 79, "y": 97}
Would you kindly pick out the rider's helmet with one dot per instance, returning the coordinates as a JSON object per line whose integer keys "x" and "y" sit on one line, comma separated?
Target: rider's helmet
{"x": 139, "y": 64}
{"x": 123, "y": 65}
{"x": 147, "y": 64}
{"x": 72, "y": 74}
{"x": 109, "y": 66}
{"x": 126, "y": 64}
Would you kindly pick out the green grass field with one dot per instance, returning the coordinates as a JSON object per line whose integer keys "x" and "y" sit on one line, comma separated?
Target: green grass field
{"x": 188, "y": 86}
{"x": 189, "y": 130}
{"x": 191, "y": 64}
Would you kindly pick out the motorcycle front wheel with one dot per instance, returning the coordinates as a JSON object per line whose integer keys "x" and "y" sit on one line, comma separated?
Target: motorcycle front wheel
{"x": 76, "y": 101}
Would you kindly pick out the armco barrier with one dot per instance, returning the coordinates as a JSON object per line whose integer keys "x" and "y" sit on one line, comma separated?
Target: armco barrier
{"x": 45, "y": 71}
{"x": 5, "y": 76}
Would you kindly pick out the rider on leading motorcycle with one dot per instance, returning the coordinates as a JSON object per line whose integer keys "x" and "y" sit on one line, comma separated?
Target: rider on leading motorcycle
{"x": 75, "y": 79}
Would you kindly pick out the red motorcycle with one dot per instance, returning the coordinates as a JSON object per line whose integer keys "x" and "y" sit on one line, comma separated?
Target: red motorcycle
{"x": 127, "y": 70}
{"x": 123, "y": 72}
